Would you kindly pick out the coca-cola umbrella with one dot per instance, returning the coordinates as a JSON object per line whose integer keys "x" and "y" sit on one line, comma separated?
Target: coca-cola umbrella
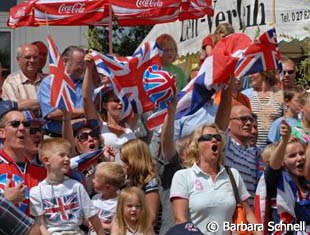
{"x": 99, "y": 12}
{"x": 150, "y": 12}
{"x": 58, "y": 12}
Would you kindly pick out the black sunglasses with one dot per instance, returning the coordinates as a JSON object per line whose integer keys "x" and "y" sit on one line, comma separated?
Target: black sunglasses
{"x": 83, "y": 136}
{"x": 33, "y": 130}
{"x": 209, "y": 137}
{"x": 244, "y": 119}
{"x": 289, "y": 72}
{"x": 16, "y": 123}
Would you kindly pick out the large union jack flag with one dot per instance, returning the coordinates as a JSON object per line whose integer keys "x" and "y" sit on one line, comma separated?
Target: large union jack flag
{"x": 261, "y": 55}
{"x": 62, "y": 87}
{"x": 213, "y": 74}
{"x": 126, "y": 75}
{"x": 61, "y": 208}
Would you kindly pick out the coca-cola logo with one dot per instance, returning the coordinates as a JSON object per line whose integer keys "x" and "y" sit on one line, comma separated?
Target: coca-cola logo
{"x": 76, "y": 8}
{"x": 149, "y": 3}
{"x": 21, "y": 12}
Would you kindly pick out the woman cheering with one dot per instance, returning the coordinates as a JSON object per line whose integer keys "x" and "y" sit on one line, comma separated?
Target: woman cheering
{"x": 203, "y": 193}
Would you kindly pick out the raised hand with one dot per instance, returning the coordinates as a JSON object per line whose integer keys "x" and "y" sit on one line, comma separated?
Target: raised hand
{"x": 285, "y": 130}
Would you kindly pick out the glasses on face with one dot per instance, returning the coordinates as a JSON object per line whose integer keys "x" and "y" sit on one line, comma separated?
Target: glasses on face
{"x": 16, "y": 123}
{"x": 29, "y": 57}
{"x": 168, "y": 50}
{"x": 289, "y": 72}
{"x": 83, "y": 136}
{"x": 34, "y": 131}
{"x": 244, "y": 119}
{"x": 209, "y": 137}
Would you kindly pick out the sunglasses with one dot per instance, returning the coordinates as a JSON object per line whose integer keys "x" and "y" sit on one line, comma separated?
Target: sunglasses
{"x": 83, "y": 136}
{"x": 289, "y": 72}
{"x": 33, "y": 131}
{"x": 209, "y": 137}
{"x": 16, "y": 123}
{"x": 244, "y": 119}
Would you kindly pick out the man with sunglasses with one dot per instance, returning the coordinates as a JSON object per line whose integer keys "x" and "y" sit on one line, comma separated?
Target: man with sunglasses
{"x": 16, "y": 173}
{"x": 239, "y": 152}
{"x": 289, "y": 74}
{"x": 22, "y": 86}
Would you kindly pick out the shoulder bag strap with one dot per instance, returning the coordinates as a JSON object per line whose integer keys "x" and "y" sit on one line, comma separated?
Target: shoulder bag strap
{"x": 234, "y": 185}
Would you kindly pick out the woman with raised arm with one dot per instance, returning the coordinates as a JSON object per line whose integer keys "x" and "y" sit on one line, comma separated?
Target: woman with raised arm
{"x": 287, "y": 188}
{"x": 114, "y": 131}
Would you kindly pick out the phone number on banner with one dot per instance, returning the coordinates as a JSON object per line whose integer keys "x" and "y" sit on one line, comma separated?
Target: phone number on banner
{"x": 294, "y": 16}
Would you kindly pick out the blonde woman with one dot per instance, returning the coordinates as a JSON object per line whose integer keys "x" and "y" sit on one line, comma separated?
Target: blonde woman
{"x": 203, "y": 193}
{"x": 141, "y": 172}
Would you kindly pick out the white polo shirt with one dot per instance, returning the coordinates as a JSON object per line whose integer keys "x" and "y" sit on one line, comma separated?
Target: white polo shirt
{"x": 208, "y": 201}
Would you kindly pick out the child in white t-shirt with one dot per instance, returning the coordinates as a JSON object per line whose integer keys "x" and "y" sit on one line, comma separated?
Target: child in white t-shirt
{"x": 109, "y": 178}
{"x": 60, "y": 204}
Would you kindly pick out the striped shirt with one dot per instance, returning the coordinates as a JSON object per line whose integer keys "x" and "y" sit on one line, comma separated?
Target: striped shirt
{"x": 267, "y": 109}
{"x": 246, "y": 161}
{"x": 18, "y": 87}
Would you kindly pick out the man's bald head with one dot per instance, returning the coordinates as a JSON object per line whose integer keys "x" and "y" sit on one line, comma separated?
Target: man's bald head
{"x": 240, "y": 110}
{"x": 28, "y": 60}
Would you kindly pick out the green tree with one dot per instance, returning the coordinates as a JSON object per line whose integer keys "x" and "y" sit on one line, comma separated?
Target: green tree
{"x": 125, "y": 40}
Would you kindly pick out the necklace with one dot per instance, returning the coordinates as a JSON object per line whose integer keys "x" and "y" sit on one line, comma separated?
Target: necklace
{"x": 131, "y": 230}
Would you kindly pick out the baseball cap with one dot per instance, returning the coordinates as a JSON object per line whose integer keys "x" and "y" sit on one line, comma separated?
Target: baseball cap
{"x": 7, "y": 106}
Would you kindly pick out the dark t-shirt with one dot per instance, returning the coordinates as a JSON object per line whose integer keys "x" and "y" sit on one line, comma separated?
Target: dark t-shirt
{"x": 169, "y": 169}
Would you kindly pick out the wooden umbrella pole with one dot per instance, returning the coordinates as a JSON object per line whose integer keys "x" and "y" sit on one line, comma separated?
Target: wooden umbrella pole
{"x": 273, "y": 23}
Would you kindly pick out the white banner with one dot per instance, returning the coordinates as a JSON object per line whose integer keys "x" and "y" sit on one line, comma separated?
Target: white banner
{"x": 250, "y": 16}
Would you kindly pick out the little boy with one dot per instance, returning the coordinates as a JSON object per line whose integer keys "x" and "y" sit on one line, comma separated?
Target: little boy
{"x": 59, "y": 203}
{"x": 109, "y": 178}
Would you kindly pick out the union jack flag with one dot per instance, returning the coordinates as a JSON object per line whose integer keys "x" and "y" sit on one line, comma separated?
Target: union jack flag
{"x": 261, "y": 55}
{"x": 287, "y": 203}
{"x": 62, "y": 87}
{"x": 14, "y": 181}
{"x": 61, "y": 208}
{"x": 126, "y": 75}
{"x": 213, "y": 74}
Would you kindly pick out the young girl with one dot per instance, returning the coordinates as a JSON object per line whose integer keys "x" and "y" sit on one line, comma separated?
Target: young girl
{"x": 141, "y": 172}
{"x": 132, "y": 215}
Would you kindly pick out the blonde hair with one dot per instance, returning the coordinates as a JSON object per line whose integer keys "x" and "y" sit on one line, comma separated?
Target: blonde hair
{"x": 111, "y": 173}
{"x": 224, "y": 28}
{"x": 49, "y": 146}
{"x": 144, "y": 221}
{"x": 266, "y": 154}
{"x": 136, "y": 154}
{"x": 193, "y": 151}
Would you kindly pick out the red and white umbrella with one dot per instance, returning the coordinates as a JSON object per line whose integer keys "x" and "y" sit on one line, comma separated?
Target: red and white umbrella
{"x": 59, "y": 12}
{"x": 150, "y": 12}
{"x": 101, "y": 12}
{"x": 96, "y": 12}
